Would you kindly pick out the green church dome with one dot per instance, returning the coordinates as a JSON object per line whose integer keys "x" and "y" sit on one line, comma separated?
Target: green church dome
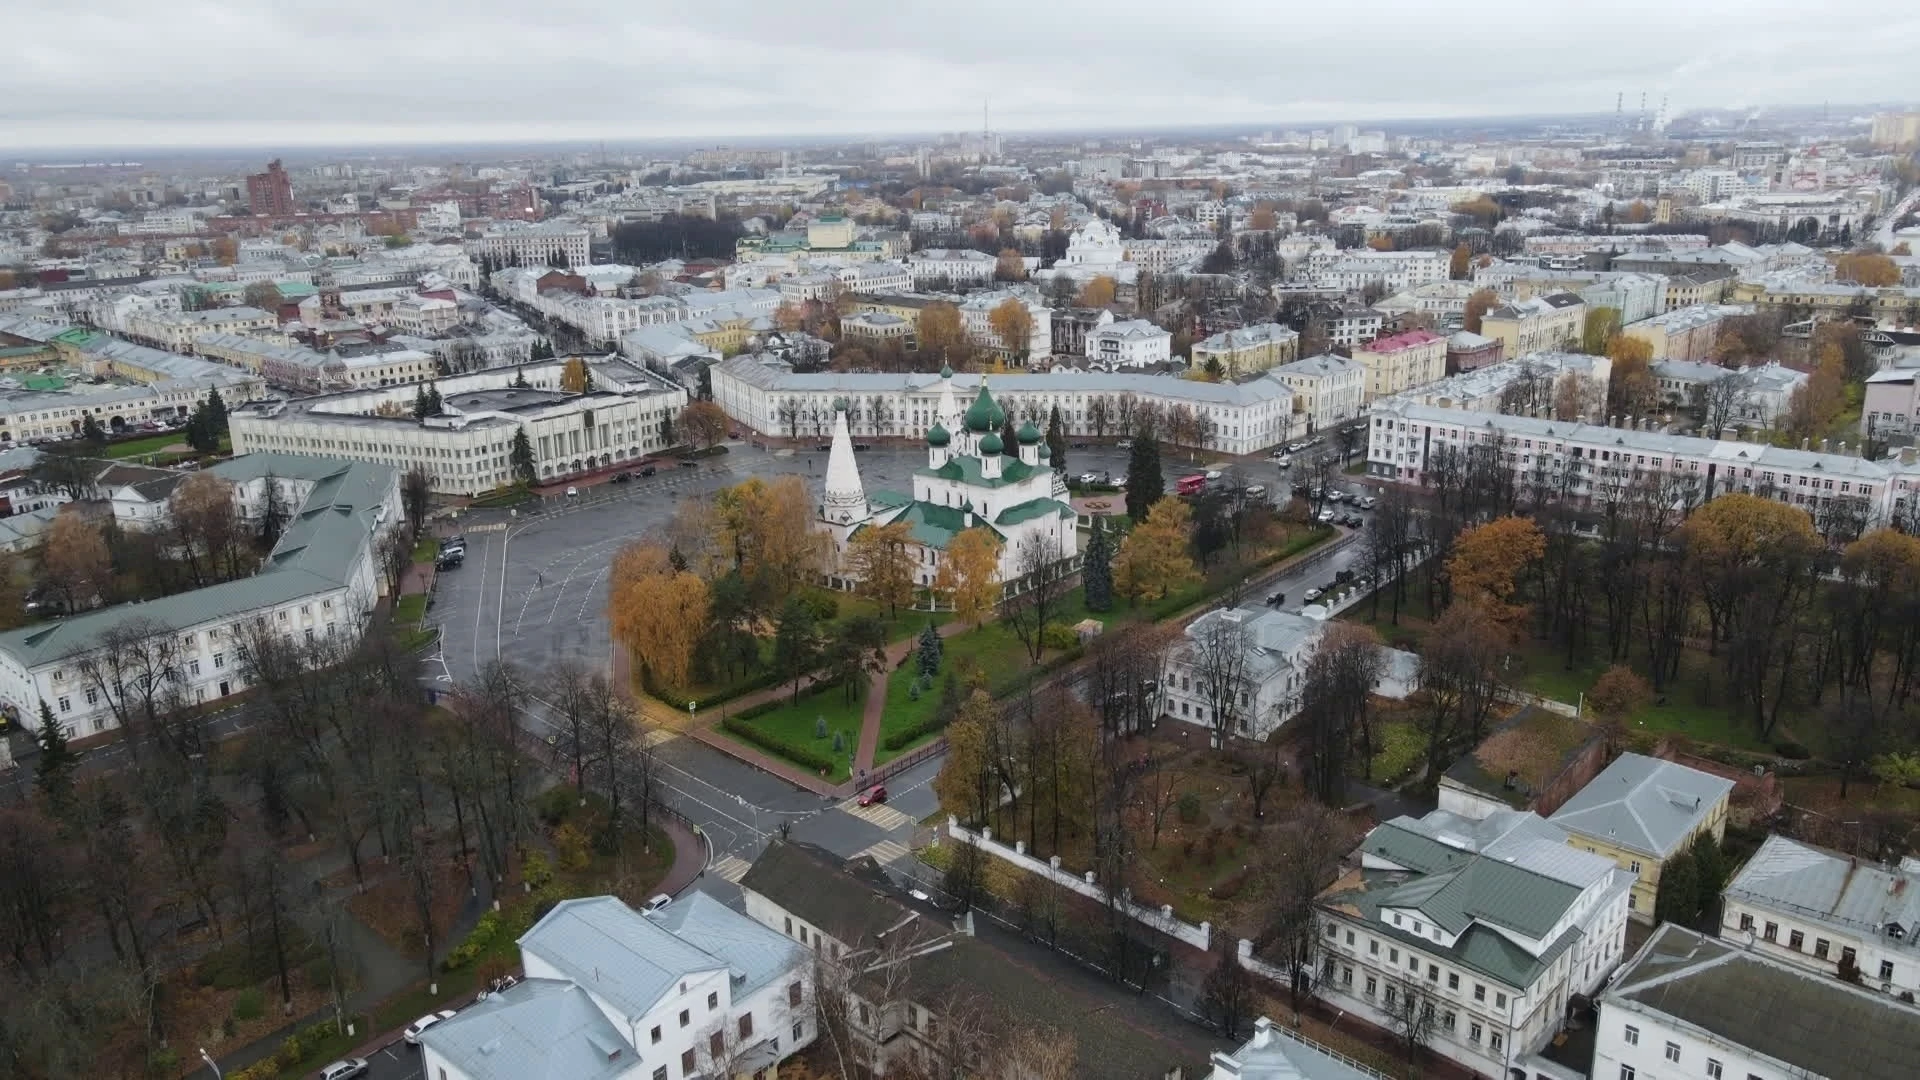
{"x": 937, "y": 435}
{"x": 984, "y": 414}
{"x": 990, "y": 443}
{"x": 1028, "y": 434}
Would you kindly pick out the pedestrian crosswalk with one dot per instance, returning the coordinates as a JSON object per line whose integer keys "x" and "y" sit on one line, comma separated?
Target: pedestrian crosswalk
{"x": 498, "y": 526}
{"x": 731, "y": 868}
{"x": 880, "y": 814}
{"x": 887, "y": 852}
{"x": 656, "y": 736}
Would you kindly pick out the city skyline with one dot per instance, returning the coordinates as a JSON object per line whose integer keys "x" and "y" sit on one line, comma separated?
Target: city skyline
{"x": 586, "y": 72}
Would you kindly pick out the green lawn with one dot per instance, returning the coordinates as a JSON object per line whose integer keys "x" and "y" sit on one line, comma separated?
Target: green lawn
{"x": 426, "y": 550}
{"x": 154, "y": 444}
{"x": 415, "y": 1002}
{"x": 798, "y": 724}
{"x": 410, "y": 609}
{"x": 1400, "y": 748}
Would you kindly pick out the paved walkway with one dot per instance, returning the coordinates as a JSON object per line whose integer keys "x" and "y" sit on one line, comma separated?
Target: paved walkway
{"x": 873, "y": 714}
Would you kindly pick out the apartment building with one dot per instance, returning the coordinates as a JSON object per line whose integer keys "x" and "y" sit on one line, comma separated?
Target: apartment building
{"x": 1401, "y": 362}
{"x": 1641, "y": 811}
{"x": 321, "y": 580}
{"x": 1688, "y": 1005}
{"x": 1327, "y": 390}
{"x": 1248, "y": 349}
{"x": 466, "y": 449}
{"x": 1394, "y": 271}
{"x": 1596, "y": 461}
{"x": 532, "y": 244}
{"x": 1542, "y": 324}
{"x": 1490, "y": 926}
{"x": 1238, "y": 418}
{"x": 177, "y": 331}
{"x": 1686, "y": 333}
{"x": 1828, "y": 913}
{"x": 1129, "y": 343}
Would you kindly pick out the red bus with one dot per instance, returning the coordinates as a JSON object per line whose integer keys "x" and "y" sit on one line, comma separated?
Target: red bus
{"x": 1191, "y": 485}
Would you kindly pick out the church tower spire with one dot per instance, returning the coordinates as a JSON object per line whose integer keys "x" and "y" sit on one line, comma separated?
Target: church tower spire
{"x": 844, "y": 502}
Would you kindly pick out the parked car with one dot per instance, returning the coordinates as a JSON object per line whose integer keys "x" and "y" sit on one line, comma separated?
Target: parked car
{"x": 1335, "y": 495}
{"x": 825, "y": 447}
{"x": 345, "y": 1069}
{"x": 1366, "y": 502}
{"x": 1310, "y": 595}
{"x": 573, "y": 493}
{"x": 457, "y": 540}
{"x": 1325, "y": 517}
{"x": 1255, "y": 491}
{"x": 1124, "y": 444}
{"x": 688, "y": 463}
{"x": 1077, "y": 446}
{"x": 450, "y": 560}
{"x": 859, "y": 446}
{"x": 1283, "y": 461}
{"x": 646, "y": 470}
{"x": 873, "y": 795}
{"x": 658, "y": 901}
{"x": 1275, "y": 599}
{"x": 412, "y": 1034}
{"x": 622, "y": 477}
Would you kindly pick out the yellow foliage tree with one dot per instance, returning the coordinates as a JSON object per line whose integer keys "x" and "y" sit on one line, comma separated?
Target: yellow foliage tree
{"x": 1631, "y": 390}
{"x": 1461, "y": 263}
{"x": 1901, "y": 248}
{"x": 969, "y": 575}
{"x": 1487, "y": 560}
{"x": 963, "y": 784}
{"x": 1814, "y": 404}
{"x": 1380, "y": 243}
{"x": 1638, "y": 213}
{"x": 940, "y": 332}
{"x": 574, "y": 378}
{"x": 1009, "y": 266}
{"x": 1479, "y": 302}
{"x": 701, "y": 422}
{"x": 881, "y": 557}
{"x": 1869, "y": 268}
{"x": 1099, "y": 292}
{"x": 1264, "y": 218}
{"x": 767, "y": 527}
{"x": 1156, "y": 558}
{"x": 657, "y": 612}
{"x": 1012, "y": 323}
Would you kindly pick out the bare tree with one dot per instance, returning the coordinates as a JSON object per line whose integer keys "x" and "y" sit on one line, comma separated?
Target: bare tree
{"x": 1301, "y": 859}
{"x": 1720, "y": 401}
{"x": 1119, "y": 677}
{"x": 1220, "y": 651}
{"x": 416, "y": 494}
{"x": 1410, "y": 1016}
{"x": 1037, "y": 592}
{"x": 1228, "y": 997}
{"x": 1345, "y": 666}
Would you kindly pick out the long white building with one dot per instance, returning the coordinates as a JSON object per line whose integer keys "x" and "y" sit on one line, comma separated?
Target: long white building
{"x": 1242, "y": 418}
{"x": 467, "y": 449}
{"x": 321, "y": 580}
{"x": 1405, "y": 439}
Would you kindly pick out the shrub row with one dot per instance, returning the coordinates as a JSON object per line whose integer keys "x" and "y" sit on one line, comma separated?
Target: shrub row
{"x": 681, "y": 701}
{"x": 807, "y": 756}
{"x": 904, "y": 736}
{"x": 781, "y": 702}
{"x": 295, "y": 1049}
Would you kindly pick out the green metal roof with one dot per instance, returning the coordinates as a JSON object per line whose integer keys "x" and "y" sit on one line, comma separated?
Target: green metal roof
{"x": 1031, "y": 510}
{"x": 937, "y": 435}
{"x": 984, "y": 414}
{"x": 935, "y": 526}
{"x": 965, "y": 469}
{"x": 1479, "y": 948}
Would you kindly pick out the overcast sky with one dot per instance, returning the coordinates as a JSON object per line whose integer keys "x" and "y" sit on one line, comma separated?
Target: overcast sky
{"x": 107, "y": 73}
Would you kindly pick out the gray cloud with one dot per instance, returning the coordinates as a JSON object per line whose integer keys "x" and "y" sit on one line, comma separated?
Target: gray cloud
{"x": 119, "y": 72}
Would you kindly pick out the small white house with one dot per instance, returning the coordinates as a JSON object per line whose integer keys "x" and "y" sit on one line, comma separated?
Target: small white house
{"x": 1130, "y": 343}
{"x": 694, "y": 989}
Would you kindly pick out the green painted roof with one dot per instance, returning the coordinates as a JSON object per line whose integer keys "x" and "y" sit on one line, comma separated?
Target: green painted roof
{"x": 1028, "y": 434}
{"x": 886, "y": 498}
{"x": 1031, "y": 510}
{"x": 1480, "y": 948}
{"x": 936, "y": 526}
{"x": 990, "y": 443}
{"x": 965, "y": 468}
{"x": 984, "y": 414}
{"x": 937, "y": 435}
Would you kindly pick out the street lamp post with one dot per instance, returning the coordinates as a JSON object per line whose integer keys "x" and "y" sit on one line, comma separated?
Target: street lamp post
{"x": 692, "y": 707}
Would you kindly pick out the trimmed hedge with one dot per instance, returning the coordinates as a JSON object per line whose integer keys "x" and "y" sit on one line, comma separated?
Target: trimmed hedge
{"x": 680, "y": 701}
{"x": 782, "y": 702}
{"x": 807, "y": 756}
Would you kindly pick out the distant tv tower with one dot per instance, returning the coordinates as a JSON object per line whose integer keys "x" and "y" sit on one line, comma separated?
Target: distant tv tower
{"x": 986, "y": 129}
{"x": 1643, "y": 110}
{"x": 1619, "y": 118}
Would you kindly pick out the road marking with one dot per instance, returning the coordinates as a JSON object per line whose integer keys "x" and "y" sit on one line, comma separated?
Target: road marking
{"x": 657, "y": 736}
{"x": 731, "y": 868}
{"x": 878, "y": 814}
{"x": 886, "y": 852}
{"x": 498, "y": 526}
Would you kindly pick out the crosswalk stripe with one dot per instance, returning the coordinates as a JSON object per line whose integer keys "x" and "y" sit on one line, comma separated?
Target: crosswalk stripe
{"x": 731, "y": 867}
{"x": 879, "y": 814}
{"x": 887, "y": 852}
{"x": 498, "y": 526}
{"x": 656, "y": 736}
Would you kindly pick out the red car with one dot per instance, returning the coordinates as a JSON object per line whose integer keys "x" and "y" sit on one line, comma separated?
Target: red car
{"x": 875, "y": 794}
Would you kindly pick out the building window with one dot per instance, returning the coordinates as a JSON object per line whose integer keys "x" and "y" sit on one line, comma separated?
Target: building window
{"x": 1499, "y": 1001}
{"x": 656, "y": 1034}
{"x": 1772, "y": 932}
{"x": 1796, "y": 940}
{"x": 793, "y": 995}
{"x": 1392, "y": 993}
{"x": 1713, "y": 1069}
{"x": 1848, "y": 958}
{"x": 660, "y": 1073}
{"x": 1632, "y": 1035}
{"x": 716, "y": 1045}
{"x": 1473, "y": 1034}
{"x": 685, "y": 1018}
{"x": 1372, "y": 983}
{"x": 1433, "y": 973}
{"x": 66, "y": 705}
{"x": 789, "y": 926}
{"x": 1393, "y": 956}
{"x": 1495, "y": 1040}
{"x": 686, "y": 1062}
{"x": 1373, "y": 946}
{"x": 799, "y": 1031}
{"x": 1635, "y": 866}
{"x": 1453, "y": 980}
{"x": 746, "y": 1025}
{"x": 1627, "y": 1073}
{"x": 1479, "y": 992}
{"x": 1447, "y": 1019}
{"x": 1886, "y": 971}
{"x": 1820, "y": 947}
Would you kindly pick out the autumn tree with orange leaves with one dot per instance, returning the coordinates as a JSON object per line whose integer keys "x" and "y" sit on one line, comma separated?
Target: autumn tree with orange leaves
{"x": 658, "y": 612}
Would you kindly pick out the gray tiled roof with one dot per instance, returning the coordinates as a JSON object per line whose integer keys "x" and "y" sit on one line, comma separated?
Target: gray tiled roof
{"x": 1275, "y": 1054}
{"x": 1643, "y": 804}
{"x": 1814, "y": 1024}
{"x": 755, "y": 955}
{"x": 542, "y": 1029}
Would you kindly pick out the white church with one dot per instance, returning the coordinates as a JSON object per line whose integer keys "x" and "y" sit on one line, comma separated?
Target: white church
{"x": 971, "y": 480}
{"x": 1095, "y": 250}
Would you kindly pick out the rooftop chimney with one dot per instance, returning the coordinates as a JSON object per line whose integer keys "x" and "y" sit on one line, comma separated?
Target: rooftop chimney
{"x": 1262, "y": 1033}
{"x": 1728, "y": 434}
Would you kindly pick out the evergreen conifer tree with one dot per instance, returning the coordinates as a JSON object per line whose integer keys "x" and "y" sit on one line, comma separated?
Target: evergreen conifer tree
{"x": 1145, "y": 485}
{"x": 1096, "y": 569}
{"x": 54, "y": 772}
{"x": 931, "y": 649}
{"x": 1057, "y": 441}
